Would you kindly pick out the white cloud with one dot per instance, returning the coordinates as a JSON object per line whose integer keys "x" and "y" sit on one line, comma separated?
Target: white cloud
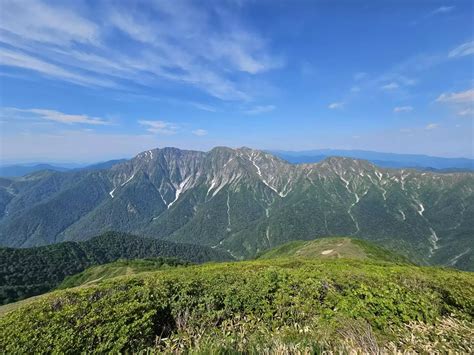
{"x": 457, "y": 97}
{"x": 431, "y": 126}
{"x": 20, "y": 60}
{"x": 403, "y": 109}
{"x": 199, "y": 132}
{"x": 391, "y": 86}
{"x": 359, "y": 76}
{"x": 35, "y": 20}
{"x": 462, "y": 50}
{"x": 203, "y": 107}
{"x": 179, "y": 42}
{"x": 159, "y": 127}
{"x": 442, "y": 10}
{"x": 466, "y": 112}
{"x": 56, "y": 116}
{"x": 336, "y": 105}
{"x": 260, "y": 109}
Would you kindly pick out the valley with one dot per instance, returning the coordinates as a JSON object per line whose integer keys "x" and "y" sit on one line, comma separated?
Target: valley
{"x": 244, "y": 201}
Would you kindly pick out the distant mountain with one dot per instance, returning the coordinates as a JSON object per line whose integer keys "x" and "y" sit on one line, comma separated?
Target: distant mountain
{"x": 103, "y": 165}
{"x": 388, "y": 160}
{"x": 31, "y": 271}
{"x": 21, "y": 170}
{"x": 245, "y": 201}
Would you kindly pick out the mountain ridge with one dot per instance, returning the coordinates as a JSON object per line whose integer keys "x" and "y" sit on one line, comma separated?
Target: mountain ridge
{"x": 244, "y": 201}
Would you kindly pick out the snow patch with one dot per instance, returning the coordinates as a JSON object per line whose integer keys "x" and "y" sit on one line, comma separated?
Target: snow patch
{"x": 267, "y": 235}
{"x": 228, "y": 211}
{"x": 434, "y": 241}
{"x": 403, "y": 214}
{"x": 421, "y": 210}
{"x": 454, "y": 260}
{"x": 179, "y": 190}
{"x": 326, "y": 252}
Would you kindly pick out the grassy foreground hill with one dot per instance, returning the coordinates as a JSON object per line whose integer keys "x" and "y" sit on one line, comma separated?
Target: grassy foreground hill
{"x": 95, "y": 274}
{"x": 333, "y": 248}
{"x": 32, "y": 271}
{"x": 288, "y": 304}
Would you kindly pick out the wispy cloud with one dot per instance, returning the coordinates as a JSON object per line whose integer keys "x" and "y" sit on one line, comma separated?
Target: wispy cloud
{"x": 69, "y": 44}
{"x": 431, "y": 126}
{"x": 403, "y": 109}
{"x": 457, "y": 97}
{"x": 466, "y": 112}
{"x": 390, "y": 86}
{"x": 159, "y": 127}
{"x": 55, "y": 116}
{"x": 462, "y": 50}
{"x": 441, "y": 10}
{"x": 199, "y": 132}
{"x": 260, "y": 109}
{"x": 336, "y": 105}
{"x": 17, "y": 59}
{"x": 203, "y": 107}
{"x": 359, "y": 76}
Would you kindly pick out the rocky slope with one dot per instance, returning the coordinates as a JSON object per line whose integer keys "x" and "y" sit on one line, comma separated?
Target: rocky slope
{"x": 246, "y": 201}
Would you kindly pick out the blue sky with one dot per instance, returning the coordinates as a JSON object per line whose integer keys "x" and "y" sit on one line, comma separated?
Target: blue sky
{"x": 94, "y": 80}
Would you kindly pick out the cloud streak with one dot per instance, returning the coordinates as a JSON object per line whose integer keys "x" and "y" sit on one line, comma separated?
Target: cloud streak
{"x": 462, "y": 97}
{"x": 403, "y": 109}
{"x": 199, "y": 132}
{"x": 336, "y": 105}
{"x": 200, "y": 47}
{"x": 260, "y": 109}
{"x": 159, "y": 127}
{"x": 55, "y": 116}
{"x": 462, "y": 50}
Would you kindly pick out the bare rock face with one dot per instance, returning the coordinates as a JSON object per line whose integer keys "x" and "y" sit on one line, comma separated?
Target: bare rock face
{"x": 245, "y": 201}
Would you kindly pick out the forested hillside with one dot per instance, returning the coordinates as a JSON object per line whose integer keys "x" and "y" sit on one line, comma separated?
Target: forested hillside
{"x": 32, "y": 271}
{"x": 246, "y": 201}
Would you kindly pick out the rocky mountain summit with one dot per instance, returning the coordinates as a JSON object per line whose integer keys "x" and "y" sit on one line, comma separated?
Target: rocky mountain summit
{"x": 245, "y": 201}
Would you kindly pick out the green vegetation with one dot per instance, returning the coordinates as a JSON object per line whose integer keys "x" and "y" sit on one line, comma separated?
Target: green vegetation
{"x": 333, "y": 248}
{"x": 289, "y": 304}
{"x": 98, "y": 273}
{"x": 246, "y": 201}
{"x": 32, "y": 271}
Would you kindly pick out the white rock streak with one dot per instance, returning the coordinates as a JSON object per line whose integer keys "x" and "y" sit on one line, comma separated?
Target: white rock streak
{"x": 403, "y": 214}
{"x": 259, "y": 172}
{"x": 421, "y": 210}
{"x": 179, "y": 190}
{"x": 111, "y": 193}
{"x": 228, "y": 211}
{"x": 267, "y": 234}
{"x": 434, "y": 242}
{"x": 454, "y": 260}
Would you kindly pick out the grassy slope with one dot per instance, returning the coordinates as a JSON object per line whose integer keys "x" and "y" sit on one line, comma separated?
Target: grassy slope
{"x": 333, "y": 248}
{"x": 99, "y": 273}
{"x": 285, "y": 304}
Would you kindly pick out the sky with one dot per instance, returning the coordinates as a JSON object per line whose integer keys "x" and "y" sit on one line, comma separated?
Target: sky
{"x": 91, "y": 80}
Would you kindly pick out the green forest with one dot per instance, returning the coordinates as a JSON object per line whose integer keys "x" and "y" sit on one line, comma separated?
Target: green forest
{"x": 32, "y": 271}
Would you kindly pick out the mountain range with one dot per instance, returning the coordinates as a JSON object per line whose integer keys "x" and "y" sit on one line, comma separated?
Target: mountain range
{"x": 387, "y": 160}
{"x": 245, "y": 201}
{"x": 25, "y": 169}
